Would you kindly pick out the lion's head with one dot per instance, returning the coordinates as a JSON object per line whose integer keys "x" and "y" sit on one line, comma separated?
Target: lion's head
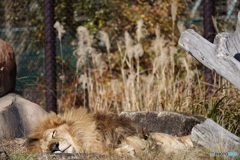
{"x": 67, "y": 133}
{"x": 57, "y": 140}
{"x": 52, "y": 136}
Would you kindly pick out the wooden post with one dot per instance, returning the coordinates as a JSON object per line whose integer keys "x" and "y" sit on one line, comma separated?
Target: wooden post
{"x": 209, "y": 34}
{"x": 50, "y": 62}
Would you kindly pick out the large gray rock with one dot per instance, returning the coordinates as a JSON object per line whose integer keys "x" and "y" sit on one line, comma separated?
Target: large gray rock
{"x": 177, "y": 124}
{"x": 18, "y": 116}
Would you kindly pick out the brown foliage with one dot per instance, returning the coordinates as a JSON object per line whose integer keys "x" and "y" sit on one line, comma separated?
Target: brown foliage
{"x": 7, "y": 68}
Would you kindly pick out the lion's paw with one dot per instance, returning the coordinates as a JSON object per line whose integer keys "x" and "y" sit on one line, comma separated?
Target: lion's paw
{"x": 126, "y": 150}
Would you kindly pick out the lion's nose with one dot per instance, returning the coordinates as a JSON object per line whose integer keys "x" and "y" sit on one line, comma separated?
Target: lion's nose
{"x": 54, "y": 147}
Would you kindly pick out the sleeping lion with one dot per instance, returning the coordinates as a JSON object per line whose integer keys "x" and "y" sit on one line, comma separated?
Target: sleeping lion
{"x": 79, "y": 131}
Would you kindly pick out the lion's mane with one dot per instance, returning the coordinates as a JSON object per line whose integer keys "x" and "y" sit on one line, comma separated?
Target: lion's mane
{"x": 99, "y": 131}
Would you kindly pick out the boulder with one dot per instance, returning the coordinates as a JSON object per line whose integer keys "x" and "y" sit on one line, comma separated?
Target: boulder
{"x": 7, "y": 68}
{"x": 173, "y": 123}
{"x": 18, "y": 116}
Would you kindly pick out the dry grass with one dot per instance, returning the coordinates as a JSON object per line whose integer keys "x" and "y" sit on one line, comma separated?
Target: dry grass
{"x": 147, "y": 74}
{"x": 16, "y": 150}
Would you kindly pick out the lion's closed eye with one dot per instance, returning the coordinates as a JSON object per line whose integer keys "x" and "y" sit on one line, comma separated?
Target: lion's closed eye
{"x": 54, "y": 134}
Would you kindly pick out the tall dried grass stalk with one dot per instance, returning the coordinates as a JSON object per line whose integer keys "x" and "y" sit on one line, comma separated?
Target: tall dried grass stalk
{"x": 174, "y": 8}
{"x": 105, "y": 38}
{"x": 83, "y": 53}
{"x": 139, "y": 31}
{"x": 60, "y": 31}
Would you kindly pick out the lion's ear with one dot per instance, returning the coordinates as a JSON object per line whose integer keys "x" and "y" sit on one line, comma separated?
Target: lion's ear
{"x": 32, "y": 140}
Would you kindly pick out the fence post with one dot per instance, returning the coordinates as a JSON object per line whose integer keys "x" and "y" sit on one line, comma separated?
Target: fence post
{"x": 209, "y": 34}
{"x": 50, "y": 62}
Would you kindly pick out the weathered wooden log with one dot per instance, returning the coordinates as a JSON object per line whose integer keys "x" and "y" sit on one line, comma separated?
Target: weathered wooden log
{"x": 214, "y": 137}
{"x": 223, "y": 56}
